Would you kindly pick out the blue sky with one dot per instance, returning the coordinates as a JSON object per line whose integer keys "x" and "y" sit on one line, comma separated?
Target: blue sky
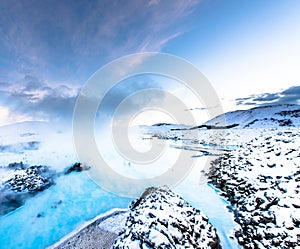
{"x": 48, "y": 49}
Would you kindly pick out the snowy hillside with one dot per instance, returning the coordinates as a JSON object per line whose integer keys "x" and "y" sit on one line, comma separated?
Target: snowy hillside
{"x": 258, "y": 117}
{"x": 239, "y": 127}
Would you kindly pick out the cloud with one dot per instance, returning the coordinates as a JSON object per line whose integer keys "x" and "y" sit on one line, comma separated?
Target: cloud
{"x": 114, "y": 30}
{"x": 67, "y": 41}
{"x": 36, "y": 100}
{"x": 83, "y": 35}
{"x": 131, "y": 95}
{"x": 288, "y": 96}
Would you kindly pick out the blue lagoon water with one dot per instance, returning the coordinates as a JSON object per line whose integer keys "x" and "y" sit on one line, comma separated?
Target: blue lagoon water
{"x": 75, "y": 199}
{"x": 62, "y": 208}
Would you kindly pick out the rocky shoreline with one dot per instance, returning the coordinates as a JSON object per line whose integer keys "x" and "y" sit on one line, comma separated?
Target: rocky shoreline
{"x": 261, "y": 180}
{"x": 24, "y": 181}
{"x": 158, "y": 219}
{"x": 93, "y": 234}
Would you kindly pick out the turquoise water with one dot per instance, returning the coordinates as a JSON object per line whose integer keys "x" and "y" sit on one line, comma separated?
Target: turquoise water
{"x": 205, "y": 198}
{"x": 81, "y": 200}
{"x": 76, "y": 199}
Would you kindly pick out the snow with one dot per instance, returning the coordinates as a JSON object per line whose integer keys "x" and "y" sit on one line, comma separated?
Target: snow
{"x": 161, "y": 219}
{"x": 262, "y": 161}
{"x": 258, "y": 117}
{"x": 268, "y": 168}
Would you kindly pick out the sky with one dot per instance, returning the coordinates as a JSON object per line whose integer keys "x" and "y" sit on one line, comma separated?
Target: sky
{"x": 248, "y": 50}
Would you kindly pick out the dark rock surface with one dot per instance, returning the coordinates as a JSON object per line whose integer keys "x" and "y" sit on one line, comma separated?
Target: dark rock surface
{"x": 24, "y": 181}
{"x": 32, "y": 179}
{"x": 76, "y": 167}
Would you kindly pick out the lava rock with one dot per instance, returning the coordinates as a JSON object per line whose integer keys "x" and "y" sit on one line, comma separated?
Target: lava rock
{"x": 160, "y": 219}
{"x": 32, "y": 179}
{"x": 25, "y": 181}
{"x": 76, "y": 167}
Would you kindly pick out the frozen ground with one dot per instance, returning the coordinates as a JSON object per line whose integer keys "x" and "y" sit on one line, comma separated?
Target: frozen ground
{"x": 37, "y": 143}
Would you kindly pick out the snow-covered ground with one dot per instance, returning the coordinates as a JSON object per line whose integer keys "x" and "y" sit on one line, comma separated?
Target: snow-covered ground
{"x": 261, "y": 180}
{"x": 259, "y": 117}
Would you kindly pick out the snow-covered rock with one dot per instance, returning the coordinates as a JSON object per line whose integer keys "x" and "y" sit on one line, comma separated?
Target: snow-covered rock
{"x": 30, "y": 179}
{"x": 257, "y": 168}
{"x": 261, "y": 181}
{"x": 161, "y": 219}
{"x": 19, "y": 182}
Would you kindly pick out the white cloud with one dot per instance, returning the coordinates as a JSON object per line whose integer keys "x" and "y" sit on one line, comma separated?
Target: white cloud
{"x": 35, "y": 100}
{"x": 6, "y": 117}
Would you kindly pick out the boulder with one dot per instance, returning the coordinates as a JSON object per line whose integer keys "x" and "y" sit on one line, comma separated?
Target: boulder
{"x": 161, "y": 219}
